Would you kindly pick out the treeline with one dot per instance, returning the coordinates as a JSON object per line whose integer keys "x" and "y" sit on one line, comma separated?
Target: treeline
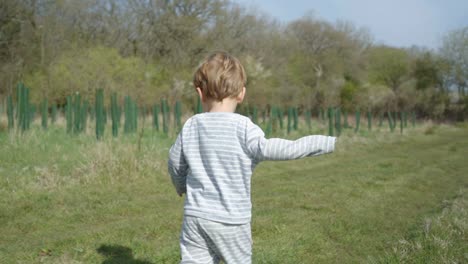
{"x": 148, "y": 49}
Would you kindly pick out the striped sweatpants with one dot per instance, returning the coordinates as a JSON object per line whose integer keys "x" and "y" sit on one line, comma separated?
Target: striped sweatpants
{"x": 204, "y": 241}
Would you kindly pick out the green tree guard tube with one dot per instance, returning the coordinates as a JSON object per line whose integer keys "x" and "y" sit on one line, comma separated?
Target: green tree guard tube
{"x": 345, "y": 119}
{"x": 164, "y": 116}
{"x": 84, "y": 116}
{"x": 273, "y": 119}
{"x": 330, "y": 121}
{"x": 134, "y": 113}
{"x": 178, "y": 114}
{"x": 24, "y": 114}
{"x": 280, "y": 117}
{"x": 119, "y": 115}
{"x": 20, "y": 108}
{"x": 143, "y": 115}
{"x": 114, "y": 115}
{"x": 255, "y": 115}
{"x": 69, "y": 114}
{"x": 296, "y": 118}
{"x": 18, "y": 102}
{"x": 338, "y": 121}
{"x": 128, "y": 115}
{"x": 77, "y": 114}
{"x": 290, "y": 117}
{"x": 199, "y": 106}
{"x": 358, "y": 121}
{"x": 10, "y": 113}
{"x": 99, "y": 108}
{"x": 134, "y": 116}
{"x": 45, "y": 110}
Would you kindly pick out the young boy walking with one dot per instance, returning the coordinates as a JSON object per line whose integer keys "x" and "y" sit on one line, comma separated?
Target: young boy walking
{"x": 212, "y": 162}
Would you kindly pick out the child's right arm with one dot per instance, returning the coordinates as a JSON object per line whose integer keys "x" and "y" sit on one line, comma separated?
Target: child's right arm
{"x": 261, "y": 148}
{"x": 177, "y": 166}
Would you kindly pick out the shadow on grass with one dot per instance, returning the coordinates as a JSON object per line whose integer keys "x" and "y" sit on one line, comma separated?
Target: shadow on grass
{"x": 116, "y": 254}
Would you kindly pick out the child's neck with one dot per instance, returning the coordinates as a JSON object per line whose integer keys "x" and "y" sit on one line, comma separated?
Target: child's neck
{"x": 226, "y": 105}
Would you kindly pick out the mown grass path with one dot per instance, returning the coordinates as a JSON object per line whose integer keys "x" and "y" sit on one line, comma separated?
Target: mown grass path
{"x": 68, "y": 200}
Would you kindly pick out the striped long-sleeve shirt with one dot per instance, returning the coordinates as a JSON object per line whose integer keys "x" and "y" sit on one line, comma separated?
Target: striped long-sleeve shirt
{"x": 213, "y": 159}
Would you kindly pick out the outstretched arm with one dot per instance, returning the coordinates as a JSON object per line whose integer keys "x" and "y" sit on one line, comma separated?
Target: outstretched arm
{"x": 177, "y": 166}
{"x": 282, "y": 149}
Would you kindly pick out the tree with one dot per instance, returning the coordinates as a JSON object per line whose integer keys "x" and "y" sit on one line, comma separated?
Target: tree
{"x": 389, "y": 66}
{"x": 427, "y": 72}
{"x": 455, "y": 50}
{"x": 309, "y": 42}
{"x": 18, "y": 41}
{"x": 169, "y": 30}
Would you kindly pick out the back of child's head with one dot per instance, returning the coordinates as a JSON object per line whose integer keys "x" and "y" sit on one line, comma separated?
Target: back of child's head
{"x": 220, "y": 76}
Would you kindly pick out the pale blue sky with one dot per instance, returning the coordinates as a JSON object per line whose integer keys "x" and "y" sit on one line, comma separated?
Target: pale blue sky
{"x": 400, "y": 23}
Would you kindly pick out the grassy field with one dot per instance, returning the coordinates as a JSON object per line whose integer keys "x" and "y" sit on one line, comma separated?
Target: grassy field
{"x": 380, "y": 198}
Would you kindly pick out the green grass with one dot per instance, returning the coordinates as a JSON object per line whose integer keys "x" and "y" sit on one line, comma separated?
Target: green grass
{"x": 381, "y": 198}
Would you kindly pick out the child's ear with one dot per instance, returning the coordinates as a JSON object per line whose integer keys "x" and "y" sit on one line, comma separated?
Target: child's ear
{"x": 200, "y": 94}
{"x": 241, "y": 95}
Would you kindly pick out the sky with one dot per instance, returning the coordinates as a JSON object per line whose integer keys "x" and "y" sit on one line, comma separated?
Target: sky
{"x": 399, "y": 23}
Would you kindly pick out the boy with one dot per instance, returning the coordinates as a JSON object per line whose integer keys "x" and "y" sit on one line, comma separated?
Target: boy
{"x": 212, "y": 162}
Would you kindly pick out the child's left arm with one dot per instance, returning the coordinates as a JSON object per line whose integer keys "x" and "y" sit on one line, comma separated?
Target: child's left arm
{"x": 283, "y": 149}
{"x": 262, "y": 149}
{"x": 177, "y": 166}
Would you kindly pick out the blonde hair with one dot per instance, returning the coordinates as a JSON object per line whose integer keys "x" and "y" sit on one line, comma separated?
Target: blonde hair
{"x": 220, "y": 76}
